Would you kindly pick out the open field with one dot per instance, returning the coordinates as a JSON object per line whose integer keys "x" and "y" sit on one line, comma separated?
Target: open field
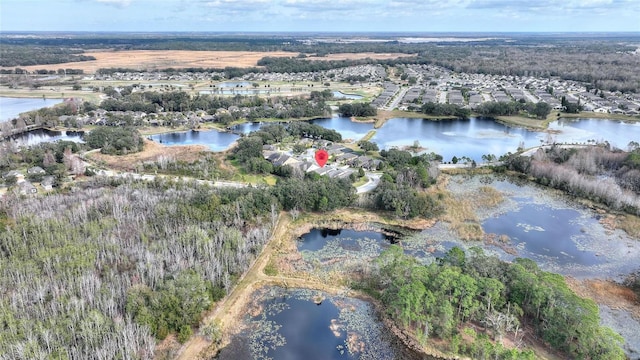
{"x": 152, "y": 152}
{"x": 161, "y": 59}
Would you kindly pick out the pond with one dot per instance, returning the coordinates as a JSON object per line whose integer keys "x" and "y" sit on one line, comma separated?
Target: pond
{"x": 236, "y": 91}
{"x": 475, "y": 137}
{"x": 342, "y": 96}
{"x": 39, "y": 136}
{"x": 294, "y": 324}
{"x": 10, "y": 107}
{"x": 325, "y": 250}
{"x": 234, "y": 84}
{"x": 215, "y": 140}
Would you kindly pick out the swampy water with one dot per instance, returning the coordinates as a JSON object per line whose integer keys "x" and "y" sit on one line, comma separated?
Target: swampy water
{"x": 311, "y": 325}
{"x": 546, "y": 226}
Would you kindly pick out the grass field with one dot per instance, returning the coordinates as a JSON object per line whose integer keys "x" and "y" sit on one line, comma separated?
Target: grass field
{"x": 160, "y": 59}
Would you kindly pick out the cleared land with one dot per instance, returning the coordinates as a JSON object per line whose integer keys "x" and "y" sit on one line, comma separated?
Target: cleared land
{"x": 161, "y": 59}
{"x": 152, "y": 152}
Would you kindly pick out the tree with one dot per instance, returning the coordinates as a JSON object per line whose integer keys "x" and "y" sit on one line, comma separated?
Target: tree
{"x": 10, "y": 180}
{"x": 542, "y": 110}
{"x": 367, "y": 146}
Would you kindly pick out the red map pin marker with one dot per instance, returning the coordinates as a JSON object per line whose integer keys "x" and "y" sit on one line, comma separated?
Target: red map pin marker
{"x": 321, "y": 157}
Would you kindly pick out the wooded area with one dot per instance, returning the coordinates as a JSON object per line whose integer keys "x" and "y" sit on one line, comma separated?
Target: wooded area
{"x": 442, "y": 299}
{"x": 99, "y": 270}
{"x": 611, "y": 177}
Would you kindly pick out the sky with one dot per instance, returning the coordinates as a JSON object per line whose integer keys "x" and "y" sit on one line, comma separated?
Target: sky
{"x": 321, "y": 15}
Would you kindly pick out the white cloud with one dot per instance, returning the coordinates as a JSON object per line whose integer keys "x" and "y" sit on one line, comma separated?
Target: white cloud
{"x": 116, "y": 3}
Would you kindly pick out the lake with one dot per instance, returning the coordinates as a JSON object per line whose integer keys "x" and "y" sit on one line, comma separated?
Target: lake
{"x": 618, "y": 133}
{"x": 475, "y": 137}
{"x": 472, "y": 137}
{"x": 10, "y": 107}
{"x": 215, "y": 140}
{"x": 289, "y": 324}
{"x": 39, "y": 136}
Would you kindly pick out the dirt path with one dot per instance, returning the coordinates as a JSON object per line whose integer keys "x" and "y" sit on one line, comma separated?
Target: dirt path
{"x": 229, "y": 310}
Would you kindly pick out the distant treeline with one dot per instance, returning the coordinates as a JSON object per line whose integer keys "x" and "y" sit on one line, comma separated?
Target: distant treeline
{"x": 604, "y": 61}
{"x": 39, "y": 55}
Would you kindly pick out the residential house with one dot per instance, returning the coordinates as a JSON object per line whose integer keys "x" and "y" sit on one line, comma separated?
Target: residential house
{"x": 27, "y": 188}
{"x": 36, "y": 170}
{"x": 47, "y": 183}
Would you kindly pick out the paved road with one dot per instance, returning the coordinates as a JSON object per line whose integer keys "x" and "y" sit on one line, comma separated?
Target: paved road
{"x": 397, "y": 97}
{"x": 529, "y": 96}
{"x": 442, "y": 97}
{"x": 374, "y": 180}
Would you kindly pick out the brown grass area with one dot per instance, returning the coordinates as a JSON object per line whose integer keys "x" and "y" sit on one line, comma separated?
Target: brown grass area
{"x": 152, "y": 151}
{"x": 460, "y": 210}
{"x": 631, "y": 225}
{"x": 160, "y": 59}
{"x": 606, "y": 292}
{"x": 356, "y": 56}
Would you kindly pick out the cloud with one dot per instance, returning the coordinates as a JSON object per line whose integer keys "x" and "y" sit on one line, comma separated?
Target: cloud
{"x": 116, "y": 3}
{"x": 554, "y": 5}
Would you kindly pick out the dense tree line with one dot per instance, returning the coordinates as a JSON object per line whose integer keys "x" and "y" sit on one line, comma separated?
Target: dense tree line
{"x": 12, "y": 55}
{"x": 114, "y": 140}
{"x": 604, "y": 61}
{"x": 108, "y": 266}
{"x": 438, "y": 109}
{"x": 309, "y": 130}
{"x": 595, "y": 172}
{"x": 357, "y": 109}
{"x": 492, "y": 108}
{"x": 435, "y": 300}
{"x": 314, "y": 193}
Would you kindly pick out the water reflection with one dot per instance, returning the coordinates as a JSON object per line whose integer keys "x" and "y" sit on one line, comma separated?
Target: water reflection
{"x": 35, "y": 137}
{"x": 215, "y": 140}
{"x": 10, "y": 107}
{"x": 293, "y": 324}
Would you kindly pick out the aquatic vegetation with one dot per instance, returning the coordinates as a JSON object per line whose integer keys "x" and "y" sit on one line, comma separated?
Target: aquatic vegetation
{"x": 341, "y": 327}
